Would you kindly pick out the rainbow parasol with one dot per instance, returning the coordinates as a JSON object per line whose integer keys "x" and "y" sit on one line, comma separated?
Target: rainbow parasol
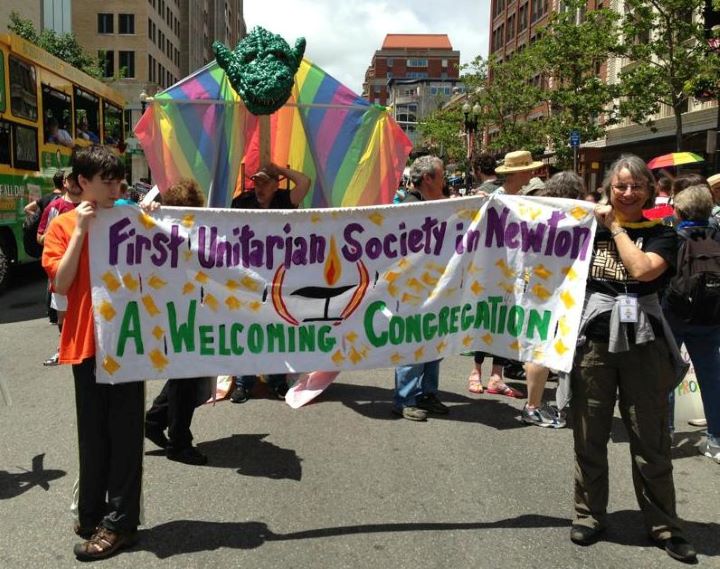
{"x": 674, "y": 159}
{"x": 353, "y": 150}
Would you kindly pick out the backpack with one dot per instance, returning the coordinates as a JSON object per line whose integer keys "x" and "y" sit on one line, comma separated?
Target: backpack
{"x": 30, "y": 229}
{"x": 32, "y": 223}
{"x": 694, "y": 292}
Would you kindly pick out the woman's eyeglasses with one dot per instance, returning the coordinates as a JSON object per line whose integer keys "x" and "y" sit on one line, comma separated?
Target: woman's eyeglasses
{"x": 634, "y": 188}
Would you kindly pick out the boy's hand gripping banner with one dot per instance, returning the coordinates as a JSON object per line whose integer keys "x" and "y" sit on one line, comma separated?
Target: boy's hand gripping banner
{"x": 198, "y": 292}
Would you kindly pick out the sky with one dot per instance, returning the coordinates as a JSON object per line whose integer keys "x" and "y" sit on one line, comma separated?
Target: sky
{"x": 342, "y": 36}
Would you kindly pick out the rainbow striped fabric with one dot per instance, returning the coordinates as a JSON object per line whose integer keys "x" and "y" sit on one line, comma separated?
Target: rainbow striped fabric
{"x": 353, "y": 150}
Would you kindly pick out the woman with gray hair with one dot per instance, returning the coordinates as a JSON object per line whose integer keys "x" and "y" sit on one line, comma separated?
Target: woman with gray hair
{"x": 564, "y": 185}
{"x": 626, "y": 347}
{"x": 692, "y": 313}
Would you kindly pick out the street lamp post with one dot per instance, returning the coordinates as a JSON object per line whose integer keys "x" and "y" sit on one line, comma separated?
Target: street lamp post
{"x": 471, "y": 114}
{"x": 143, "y": 105}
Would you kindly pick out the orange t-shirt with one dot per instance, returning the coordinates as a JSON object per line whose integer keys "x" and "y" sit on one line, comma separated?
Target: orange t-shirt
{"x": 77, "y": 340}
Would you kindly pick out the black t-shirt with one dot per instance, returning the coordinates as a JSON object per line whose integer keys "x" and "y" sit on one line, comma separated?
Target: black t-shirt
{"x": 608, "y": 275}
{"x": 248, "y": 200}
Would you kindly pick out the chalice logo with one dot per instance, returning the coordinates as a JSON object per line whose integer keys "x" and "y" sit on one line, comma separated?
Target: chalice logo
{"x": 330, "y": 310}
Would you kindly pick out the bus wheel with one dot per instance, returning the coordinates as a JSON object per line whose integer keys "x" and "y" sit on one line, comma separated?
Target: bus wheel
{"x": 4, "y": 264}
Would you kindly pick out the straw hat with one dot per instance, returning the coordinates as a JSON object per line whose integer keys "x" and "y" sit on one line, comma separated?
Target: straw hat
{"x": 518, "y": 161}
{"x": 713, "y": 180}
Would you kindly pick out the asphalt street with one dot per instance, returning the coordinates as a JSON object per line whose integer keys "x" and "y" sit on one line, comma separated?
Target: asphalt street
{"x": 341, "y": 483}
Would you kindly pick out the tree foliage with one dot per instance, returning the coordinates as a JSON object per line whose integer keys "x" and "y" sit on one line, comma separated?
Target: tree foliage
{"x": 63, "y": 46}
{"x": 537, "y": 96}
{"x": 571, "y": 51}
{"x": 665, "y": 44}
{"x": 507, "y": 101}
{"x": 440, "y": 134}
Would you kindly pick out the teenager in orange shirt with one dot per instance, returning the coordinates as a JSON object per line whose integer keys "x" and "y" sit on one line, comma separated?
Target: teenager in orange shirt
{"x": 109, "y": 417}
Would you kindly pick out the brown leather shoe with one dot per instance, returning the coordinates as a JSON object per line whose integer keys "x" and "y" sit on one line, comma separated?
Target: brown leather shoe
{"x": 104, "y": 543}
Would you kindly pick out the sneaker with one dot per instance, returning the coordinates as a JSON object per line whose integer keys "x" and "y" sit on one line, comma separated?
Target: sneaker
{"x": 239, "y": 395}
{"x": 543, "y": 416}
{"x": 156, "y": 435}
{"x": 678, "y": 548}
{"x": 585, "y": 535}
{"x": 281, "y": 390}
{"x": 189, "y": 455}
{"x": 710, "y": 449}
{"x": 53, "y": 361}
{"x": 411, "y": 413}
{"x": 432, "y": 404}
{"x": 104, "y": 543}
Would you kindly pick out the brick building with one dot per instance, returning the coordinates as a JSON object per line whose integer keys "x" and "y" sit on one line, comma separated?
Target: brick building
{"x": 410, "y": 56}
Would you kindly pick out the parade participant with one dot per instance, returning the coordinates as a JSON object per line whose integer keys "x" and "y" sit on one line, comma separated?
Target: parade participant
{"x": 416, "y": 385}
{"x": 109, "y": 417}
{"x": 566, "y": 185}
{"x": 685, "y": 181}
{"x": 518, "y": 168}
{"x": 267, "y": 195}
{"x": 484, "y": 167}
{"x": 627, "y": 348}
{"x": 174, "y": 407}
{"x": 693, "y": 314}
{"x": 67, "y": 202}
{"x": 714, "y": 183}
{"x": 33, "y": 216}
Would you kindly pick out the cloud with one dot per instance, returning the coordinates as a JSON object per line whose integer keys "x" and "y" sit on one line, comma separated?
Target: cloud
{"x": 342, "y": 37}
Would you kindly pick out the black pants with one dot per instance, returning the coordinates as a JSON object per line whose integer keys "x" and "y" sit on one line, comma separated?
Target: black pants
{"x": 174, "y": 407}
{"x": 110, "y": 445}
{"x": 497, "y": 360}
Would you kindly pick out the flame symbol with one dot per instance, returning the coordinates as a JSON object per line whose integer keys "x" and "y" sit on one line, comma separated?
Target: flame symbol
{"x": 333, "y": 269}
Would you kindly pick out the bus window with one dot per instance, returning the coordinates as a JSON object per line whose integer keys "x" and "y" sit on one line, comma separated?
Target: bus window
{"x": 112, "y": 126}
{"x": 25, "y": 149}
{"x": 5, "y": 142}
{"x": 58, "y": 110}
{"x": 87, "y": 116}
{"x": 23, "y": 89}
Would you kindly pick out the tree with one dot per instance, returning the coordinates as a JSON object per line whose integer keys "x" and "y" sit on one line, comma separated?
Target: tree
{"x": 507, "y": 100}
{"x": 665, "y": 42}
{"x": 62, "y": 46}
{"x": 571, "y": 50}
{"x": 440, "y": 132}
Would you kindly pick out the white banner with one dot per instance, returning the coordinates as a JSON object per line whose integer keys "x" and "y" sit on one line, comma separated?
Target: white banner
{"x": 197, "y": 292}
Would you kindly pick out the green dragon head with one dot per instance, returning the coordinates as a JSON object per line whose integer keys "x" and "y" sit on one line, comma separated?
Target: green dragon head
{"x": 261, "y": 69}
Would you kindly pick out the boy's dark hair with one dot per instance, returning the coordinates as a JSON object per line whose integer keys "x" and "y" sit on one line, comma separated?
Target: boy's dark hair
{"x": 59, "y": 179}
{"x": 93, "y": 160}
{"x": 686, "y": 180}
{"x": 485, "y": 164}
{"x": 185, "y": 192}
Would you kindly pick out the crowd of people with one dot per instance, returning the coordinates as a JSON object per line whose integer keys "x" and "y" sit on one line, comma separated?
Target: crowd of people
{"x": 630, "y": 356}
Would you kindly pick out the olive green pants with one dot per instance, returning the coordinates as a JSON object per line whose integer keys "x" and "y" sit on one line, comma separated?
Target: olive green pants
{"x": 643, "y": 378}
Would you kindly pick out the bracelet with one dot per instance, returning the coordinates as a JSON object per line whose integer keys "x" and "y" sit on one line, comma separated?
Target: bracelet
{"x": 618, "y": 231}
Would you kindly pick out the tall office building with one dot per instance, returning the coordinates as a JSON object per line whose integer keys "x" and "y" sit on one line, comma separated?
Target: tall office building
{"x": 148, "y": 45}
{"x": 28, "y": 10}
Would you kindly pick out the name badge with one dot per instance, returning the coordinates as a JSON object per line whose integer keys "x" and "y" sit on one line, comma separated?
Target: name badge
{"x": 628, "y": 308}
